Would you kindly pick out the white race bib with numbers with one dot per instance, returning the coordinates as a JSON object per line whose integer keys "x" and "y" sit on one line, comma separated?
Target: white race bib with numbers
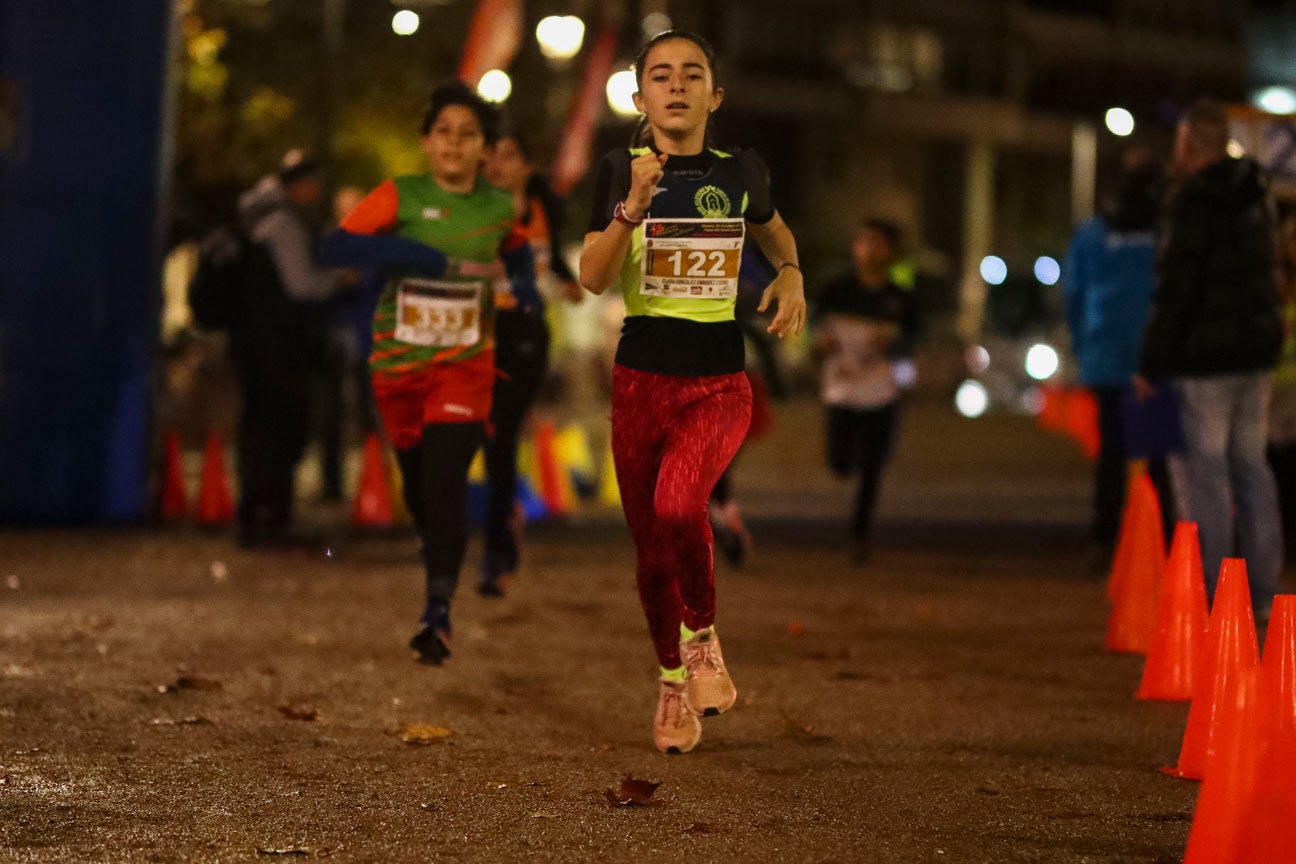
{"x": 438, "y": 314}
{"x": 692, "y": 258}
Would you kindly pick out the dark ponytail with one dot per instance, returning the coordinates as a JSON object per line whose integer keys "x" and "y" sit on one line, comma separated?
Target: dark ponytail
{"x": 642, "y": 136}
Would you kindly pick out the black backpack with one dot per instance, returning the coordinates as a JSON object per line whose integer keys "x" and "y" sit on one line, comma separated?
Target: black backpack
{"x": 217, "y": 288}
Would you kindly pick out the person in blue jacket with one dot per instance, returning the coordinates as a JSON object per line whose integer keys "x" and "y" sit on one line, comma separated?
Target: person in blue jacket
{"x": 1107, "y": 280}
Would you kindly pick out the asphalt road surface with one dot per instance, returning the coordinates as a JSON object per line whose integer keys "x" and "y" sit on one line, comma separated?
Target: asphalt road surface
{"x": 166, "y": 697}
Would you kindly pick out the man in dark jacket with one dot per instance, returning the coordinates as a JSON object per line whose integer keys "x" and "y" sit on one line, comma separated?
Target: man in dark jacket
{"x": 1215, "y": 331}
{"x": 278, "y": 343}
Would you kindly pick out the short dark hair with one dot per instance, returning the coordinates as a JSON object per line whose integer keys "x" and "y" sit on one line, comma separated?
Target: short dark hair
{"x": 296, "y": 165}
{"x": 459, "y": 93}
{"x": 522, "y": 140}
{"x": 889, "y": 230}
{"x": 1208, "y": 125}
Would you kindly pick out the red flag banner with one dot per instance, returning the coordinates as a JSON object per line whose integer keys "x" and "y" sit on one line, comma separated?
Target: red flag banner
{"x": 494, "y": 37}
{"x": 573, "y": 159}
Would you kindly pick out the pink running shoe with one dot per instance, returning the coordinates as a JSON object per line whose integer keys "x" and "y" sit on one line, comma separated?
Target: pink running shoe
{"x": 710, "y": 689}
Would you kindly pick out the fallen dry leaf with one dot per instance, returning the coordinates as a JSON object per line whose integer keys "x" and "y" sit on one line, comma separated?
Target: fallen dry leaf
{"x": 544, "y": 815}
{"x": 422, "y": 733}
{"x": 192, "y": 720}
{"x": 293, "y": 712}
{"x": 190, "y": 682}
{"x": 633, "y": 793}
{"x": 288, "y": 850}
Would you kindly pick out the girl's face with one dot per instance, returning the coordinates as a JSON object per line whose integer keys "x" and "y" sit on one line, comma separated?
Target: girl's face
{"x": 507, "y": 168}
{"x": 676, "y": 88}
{"x": 455, "y": 145}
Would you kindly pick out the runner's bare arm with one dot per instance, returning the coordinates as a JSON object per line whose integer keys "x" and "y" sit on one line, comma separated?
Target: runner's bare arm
{"x": 604, "y": 251}
{"x": 602, "y": 255}
{"x": 787, "y": 290}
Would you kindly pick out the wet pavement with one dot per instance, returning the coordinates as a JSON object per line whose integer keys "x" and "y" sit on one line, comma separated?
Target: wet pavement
{"x": 166, "y": 697}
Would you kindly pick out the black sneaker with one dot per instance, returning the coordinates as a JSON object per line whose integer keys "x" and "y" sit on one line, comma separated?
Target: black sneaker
{"x": 431, "y": 644}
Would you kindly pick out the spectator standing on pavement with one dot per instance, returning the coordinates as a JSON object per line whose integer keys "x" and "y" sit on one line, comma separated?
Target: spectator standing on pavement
{"x": 1282, "y": 406}
{"x": 279, "y": 340}
{"x": 863, "y": 324}
{"x": 1215, "y": 329}
{"x": 1107, "y": 283}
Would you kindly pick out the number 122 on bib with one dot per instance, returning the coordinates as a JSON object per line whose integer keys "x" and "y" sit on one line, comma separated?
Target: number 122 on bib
{"x": 692, "y": 257}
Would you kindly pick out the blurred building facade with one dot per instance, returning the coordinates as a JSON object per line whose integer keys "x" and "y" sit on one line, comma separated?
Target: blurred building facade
{"x": 976, "y": 125}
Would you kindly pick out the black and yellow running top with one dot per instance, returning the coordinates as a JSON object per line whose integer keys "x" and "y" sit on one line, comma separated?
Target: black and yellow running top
{"x": 682, "y": 335}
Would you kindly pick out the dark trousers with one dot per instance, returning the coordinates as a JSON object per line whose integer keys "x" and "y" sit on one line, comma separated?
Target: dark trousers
{"x": 435, "y": 477}
{"x": 1282, "y": 460}
{"x": 522, "y": 357}
{"x": 1110, "y": 471}
{"x": 860, "y": 441}
{"x": 331, "y": 401}
{"x": 271, "y": 438}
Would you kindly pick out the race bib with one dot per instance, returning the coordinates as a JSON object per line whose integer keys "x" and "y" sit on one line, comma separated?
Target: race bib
{"x": 438, "y": 314}
{"x": 692, "y": 258}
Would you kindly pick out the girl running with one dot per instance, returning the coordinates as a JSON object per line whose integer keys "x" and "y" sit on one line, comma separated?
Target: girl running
{"x": 433, "y": 358}
{"x": 521, "y": 353}
{"x": 667, "y": 229}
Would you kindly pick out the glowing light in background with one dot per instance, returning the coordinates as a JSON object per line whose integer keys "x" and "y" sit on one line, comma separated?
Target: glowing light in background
{"x": 971, "y": 400}
{"x": 1041, "y": 362}
{"x": 654, "y": 23}
{"x": 621, "y": 88}
{"x": 1275, "y": 100}
{"x": 1236, "y": 150}
{"x": 993, "y": 269}
{"x": 1119, "y": 121}
{"x": 977, "y": 359}
{"x": 1047, "y": 270}
{"x": 405, "y": 22}
{"x": 495, "y": 86}
{"x": 560, "y": 36}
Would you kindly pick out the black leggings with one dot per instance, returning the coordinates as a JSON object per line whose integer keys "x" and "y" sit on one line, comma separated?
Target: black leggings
{"x": 522, "y": 355}
{"x": 435, "y": 476}
{"x": 860, "y": 440}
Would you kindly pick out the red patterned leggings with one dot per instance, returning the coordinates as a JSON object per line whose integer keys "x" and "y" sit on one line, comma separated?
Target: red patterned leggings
{"x": 672, "y": 438}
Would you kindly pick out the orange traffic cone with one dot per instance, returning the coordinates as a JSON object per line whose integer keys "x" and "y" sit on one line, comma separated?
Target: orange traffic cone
{"x": 1267, "y": 836}
{"x": 1082, "y": 422}
{"x": 1125, "y": 540}
{"x": 372, "y": 504}
{"x": 1133, "y": 621}
{"x": 551, "y": 481}
{"x": 1181, "y": 622}
{"x": 1223, "y": 807}
{"x": 1278, "y": 669}
{"x": 1052, "y": 416}
{"x": 1230, "y": 650}
{"x": 174, "y": 503}
{"x": 215, "y": 506}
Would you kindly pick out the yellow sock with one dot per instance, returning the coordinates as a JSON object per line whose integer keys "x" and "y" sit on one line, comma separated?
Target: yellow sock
{"x": 679, "y": 673}
{"x": 685, "y": 633}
